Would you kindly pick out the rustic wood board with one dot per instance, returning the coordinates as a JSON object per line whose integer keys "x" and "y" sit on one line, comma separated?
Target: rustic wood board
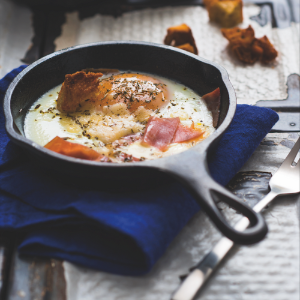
{"x": 6, "y": 246}
{"x": 34, "y": 278}
{"x": 15, "y": 35}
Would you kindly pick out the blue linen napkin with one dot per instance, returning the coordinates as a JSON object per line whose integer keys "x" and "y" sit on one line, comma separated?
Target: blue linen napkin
{"x": 122, "y": 233}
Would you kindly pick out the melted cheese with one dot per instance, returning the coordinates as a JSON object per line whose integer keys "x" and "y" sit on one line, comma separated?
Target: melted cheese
{"x": 99, "y": 128}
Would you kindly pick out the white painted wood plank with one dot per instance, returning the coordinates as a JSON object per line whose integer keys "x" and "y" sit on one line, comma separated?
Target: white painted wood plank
{"x": 15, "y": 34}
{"x": 251, "y": 82}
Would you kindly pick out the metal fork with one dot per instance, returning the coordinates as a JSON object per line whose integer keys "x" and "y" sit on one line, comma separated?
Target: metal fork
{"x": 285, "y": 181}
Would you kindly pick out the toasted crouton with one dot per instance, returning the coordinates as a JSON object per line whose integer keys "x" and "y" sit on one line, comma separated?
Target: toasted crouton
{"x": 76, "y": 89}
{"x": 247, "y": 48}
{"x": 227, "y": 13}
{"x": 179, "y": 36}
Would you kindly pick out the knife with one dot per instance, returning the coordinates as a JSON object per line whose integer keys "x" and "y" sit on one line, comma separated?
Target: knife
{"x": 202, "y": 271}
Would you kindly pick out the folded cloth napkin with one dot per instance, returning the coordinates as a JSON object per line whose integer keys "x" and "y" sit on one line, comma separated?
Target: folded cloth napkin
{"x": 123, "y": 233}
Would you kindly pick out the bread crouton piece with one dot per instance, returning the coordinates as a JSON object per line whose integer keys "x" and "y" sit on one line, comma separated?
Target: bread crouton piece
{"x": 247, "y": 48}
{"x": 227, "y": 13}
{"x": 239, "y": 35}
{"x": 76, "y": 89}
{"x": 241, "y": 42}
{"x": 269, "y": 52}
{"x": 179, "y": 36}
{"x": 187, "y": 47}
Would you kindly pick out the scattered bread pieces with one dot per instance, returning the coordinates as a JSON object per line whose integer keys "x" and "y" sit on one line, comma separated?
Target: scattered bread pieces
{"x": 76, "y": 89}
{"x": 187, "y": 47}
{"x": 227, "y": 13}
{"x": 181, "y": 37}
{"x": 247, "y": 48}
{"x": 269, "y": 52}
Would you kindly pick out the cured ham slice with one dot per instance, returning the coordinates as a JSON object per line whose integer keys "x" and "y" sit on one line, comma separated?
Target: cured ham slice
{"x": 184, "y": 134}
{"x": 61, "y": 146}
{"x": 213, "y": 101}
{"x": 160, "y": 132}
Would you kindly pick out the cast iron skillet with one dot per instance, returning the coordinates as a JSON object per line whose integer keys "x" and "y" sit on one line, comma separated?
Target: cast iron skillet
{"x": 189, "y": 167}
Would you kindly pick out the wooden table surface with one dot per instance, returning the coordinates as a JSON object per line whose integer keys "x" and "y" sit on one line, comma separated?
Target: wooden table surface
{"x": 27, "y": 34}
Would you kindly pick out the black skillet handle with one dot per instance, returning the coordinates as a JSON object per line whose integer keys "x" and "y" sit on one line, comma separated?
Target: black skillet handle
{"x": 193, "y": 173}
{"x": 257, "y": 230}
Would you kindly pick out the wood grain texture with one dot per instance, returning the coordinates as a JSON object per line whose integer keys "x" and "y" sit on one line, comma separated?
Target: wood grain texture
{"x": 288, "y": 109}
{"x": 46, "y": 27}
{"x": 35, "y": 278}
{"x": 292, "y": 102}
{"x": 5, "y": 259}
{"x": 271, "y": 152}
{"x": 15, "y": 35}
{"x": 39, "y": 24}
{"x": 250, "y": 186}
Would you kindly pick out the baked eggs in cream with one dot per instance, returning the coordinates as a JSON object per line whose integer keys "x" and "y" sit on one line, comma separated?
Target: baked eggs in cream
{"x": 123, "y": 116}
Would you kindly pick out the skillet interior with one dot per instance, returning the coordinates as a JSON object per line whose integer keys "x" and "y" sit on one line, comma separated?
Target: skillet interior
{"x": 196, "y": 73}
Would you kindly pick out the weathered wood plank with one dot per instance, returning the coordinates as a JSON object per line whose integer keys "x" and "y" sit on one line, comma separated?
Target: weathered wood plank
{"x": 35, "y": 278}
{"x": 271, "y": 152}
{"x": 46, "y": 27}
{"x": 55, "y": 20}
{"x": 250, "y": 186}
{"x": 39, "y": 23}
{"x": 2, "y": 270}
{"x": 5, "y": 258}
{"x": 15, "y": 34}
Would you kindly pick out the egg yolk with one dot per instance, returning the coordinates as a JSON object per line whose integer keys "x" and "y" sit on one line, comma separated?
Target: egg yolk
{"x": 132, "y": 89}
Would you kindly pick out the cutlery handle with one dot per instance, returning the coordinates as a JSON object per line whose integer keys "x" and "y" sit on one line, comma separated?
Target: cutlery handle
{"x": 202, "y": 271}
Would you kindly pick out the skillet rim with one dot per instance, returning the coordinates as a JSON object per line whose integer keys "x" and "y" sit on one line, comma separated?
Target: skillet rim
{"x": 203, "y": 147}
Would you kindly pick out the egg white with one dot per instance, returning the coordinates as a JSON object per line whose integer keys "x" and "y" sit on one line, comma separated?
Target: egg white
{"x": 43, "y": 122}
